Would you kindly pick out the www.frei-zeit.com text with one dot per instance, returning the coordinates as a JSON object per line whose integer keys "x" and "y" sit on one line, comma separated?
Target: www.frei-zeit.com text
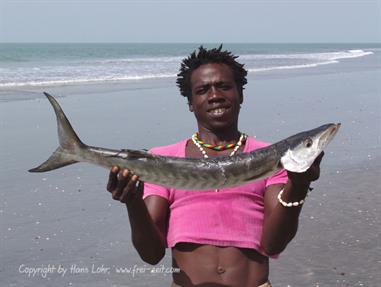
{"x": 45, "y": 270}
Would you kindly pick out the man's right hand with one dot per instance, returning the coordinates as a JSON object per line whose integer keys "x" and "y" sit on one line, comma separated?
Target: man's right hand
{"x": 124, "y": 186}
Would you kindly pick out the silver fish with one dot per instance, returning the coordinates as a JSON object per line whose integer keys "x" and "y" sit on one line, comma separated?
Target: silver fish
{"x": 295, "y": 153}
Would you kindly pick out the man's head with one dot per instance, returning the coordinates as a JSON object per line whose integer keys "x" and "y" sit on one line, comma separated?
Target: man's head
{"x": 213, "y": 56}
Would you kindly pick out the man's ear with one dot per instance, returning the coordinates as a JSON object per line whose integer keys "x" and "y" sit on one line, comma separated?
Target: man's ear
{"x": 190, "y": 106}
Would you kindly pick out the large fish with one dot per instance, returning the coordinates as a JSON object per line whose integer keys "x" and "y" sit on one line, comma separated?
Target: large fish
{"x": 295, "y": 153}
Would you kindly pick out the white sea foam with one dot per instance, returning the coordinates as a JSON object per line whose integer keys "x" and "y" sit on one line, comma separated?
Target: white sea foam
{"x": 147, "y": 59}
{"x": 317, "y": 59}
{"x": 316, "y": 56}
{"x": 82, "y": 81}
{"x": 291, "y": 67}
{"x": 142, "y": 68}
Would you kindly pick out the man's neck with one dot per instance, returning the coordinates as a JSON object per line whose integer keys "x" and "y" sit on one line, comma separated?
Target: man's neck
{"x": 222, "y": 137}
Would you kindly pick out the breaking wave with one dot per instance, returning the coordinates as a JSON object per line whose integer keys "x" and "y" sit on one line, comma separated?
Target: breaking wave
{"x": 48, "y": 73}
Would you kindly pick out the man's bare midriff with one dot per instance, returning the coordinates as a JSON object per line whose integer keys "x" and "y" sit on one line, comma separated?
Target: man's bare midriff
{"x": 207, "y": 265}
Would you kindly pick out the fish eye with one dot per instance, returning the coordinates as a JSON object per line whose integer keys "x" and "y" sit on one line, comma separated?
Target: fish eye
{"x": 308, "y": 142}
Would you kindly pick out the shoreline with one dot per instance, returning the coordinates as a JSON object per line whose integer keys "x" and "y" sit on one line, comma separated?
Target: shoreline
{"x": 168, "y": 81}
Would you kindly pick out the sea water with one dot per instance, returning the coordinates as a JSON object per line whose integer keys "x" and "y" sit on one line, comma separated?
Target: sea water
{"x": 28, "y": 65}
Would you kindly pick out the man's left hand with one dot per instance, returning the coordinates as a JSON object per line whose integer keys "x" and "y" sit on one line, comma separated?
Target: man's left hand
{"x": 311, "y": 174}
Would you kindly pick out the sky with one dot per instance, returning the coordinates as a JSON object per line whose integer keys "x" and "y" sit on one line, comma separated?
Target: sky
{"x": 243, "y": 21}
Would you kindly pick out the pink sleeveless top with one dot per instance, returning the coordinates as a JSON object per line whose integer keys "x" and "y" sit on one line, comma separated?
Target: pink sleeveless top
{"x": 229, "y": 217}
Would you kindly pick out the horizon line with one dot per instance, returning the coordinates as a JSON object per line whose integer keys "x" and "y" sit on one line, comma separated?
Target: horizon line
{"x": 190, "y": 43}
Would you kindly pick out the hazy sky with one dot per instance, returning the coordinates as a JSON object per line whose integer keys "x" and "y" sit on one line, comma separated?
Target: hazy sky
{"x": 190, "y": 21}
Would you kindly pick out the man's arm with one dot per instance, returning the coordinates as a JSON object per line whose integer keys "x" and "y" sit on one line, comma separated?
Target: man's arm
{"x": 280, "y": 222}
{"x": 147, "y": 217}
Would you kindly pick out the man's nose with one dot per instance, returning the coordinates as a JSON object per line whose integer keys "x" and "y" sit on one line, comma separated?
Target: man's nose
{"x": 214, "y": 93}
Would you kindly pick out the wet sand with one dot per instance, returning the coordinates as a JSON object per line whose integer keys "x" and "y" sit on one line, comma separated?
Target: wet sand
{"x": 65, "y": 220}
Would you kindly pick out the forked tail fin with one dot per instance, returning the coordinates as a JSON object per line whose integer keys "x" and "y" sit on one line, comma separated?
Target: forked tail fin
{"x": 70, "y": 143}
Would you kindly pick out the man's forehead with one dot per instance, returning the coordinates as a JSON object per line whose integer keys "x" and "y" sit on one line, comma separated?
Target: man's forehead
{"x": 212, "y": 72}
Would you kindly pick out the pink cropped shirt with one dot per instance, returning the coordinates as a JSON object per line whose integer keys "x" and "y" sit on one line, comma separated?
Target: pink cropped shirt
{"x": 229, "y": 217}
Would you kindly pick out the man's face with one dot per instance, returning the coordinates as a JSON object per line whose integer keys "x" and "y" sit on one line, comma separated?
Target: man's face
{"x": 215, "y": 98}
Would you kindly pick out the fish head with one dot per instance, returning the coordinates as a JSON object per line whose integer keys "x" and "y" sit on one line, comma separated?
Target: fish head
{"x": 304, "y": 148}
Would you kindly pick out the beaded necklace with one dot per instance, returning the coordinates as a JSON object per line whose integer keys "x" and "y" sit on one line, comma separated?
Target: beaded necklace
{"x": 214, "y": 147}
{"x": 200, "y": 144}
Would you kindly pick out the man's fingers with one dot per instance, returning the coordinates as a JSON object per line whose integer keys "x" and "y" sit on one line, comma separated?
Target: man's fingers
{"x": 123, "y": 178}
{"x": 140, "y": 187}
{"x": 319, "y": 158}
{"x": 123, "y": 184}
{"x": 314, "y": 171}
{"x": 113, "y": 178}
{"x": 130, "y": 189}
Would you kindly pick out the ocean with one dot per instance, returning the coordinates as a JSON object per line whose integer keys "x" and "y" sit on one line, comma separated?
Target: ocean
{"x": 38, "y": 65}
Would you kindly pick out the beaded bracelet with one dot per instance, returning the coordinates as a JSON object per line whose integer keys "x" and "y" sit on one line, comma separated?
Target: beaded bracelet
{"x": 291, "y": 204}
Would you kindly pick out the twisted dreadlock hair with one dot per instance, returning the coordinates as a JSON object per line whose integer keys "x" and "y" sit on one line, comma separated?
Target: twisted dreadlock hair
{"x": 205, "y": 56}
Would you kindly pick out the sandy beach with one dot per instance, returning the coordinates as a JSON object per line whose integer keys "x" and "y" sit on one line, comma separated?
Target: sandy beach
{"x": 62, "y": 228}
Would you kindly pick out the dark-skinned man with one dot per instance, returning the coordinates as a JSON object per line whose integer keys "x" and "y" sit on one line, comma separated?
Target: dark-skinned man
{"x": 218, "y": 237}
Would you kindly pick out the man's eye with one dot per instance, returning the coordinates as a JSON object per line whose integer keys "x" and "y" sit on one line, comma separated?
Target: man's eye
{"x": 201, "y": 91}
{"x": 224, "y": 87}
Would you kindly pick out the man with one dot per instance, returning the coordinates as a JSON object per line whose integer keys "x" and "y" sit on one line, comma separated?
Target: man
{"x": 219, "y": 237}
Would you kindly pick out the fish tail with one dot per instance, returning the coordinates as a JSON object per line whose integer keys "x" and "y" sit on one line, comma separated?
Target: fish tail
{"x": 70, "y": 144}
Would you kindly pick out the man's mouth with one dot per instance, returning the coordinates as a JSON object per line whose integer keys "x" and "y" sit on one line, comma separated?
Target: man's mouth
{"x": 218, "y": 111}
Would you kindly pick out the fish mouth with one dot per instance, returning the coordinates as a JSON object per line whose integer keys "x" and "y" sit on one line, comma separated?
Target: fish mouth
{"x": 328, "y": 134}
{"x": 332, "y": 130}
